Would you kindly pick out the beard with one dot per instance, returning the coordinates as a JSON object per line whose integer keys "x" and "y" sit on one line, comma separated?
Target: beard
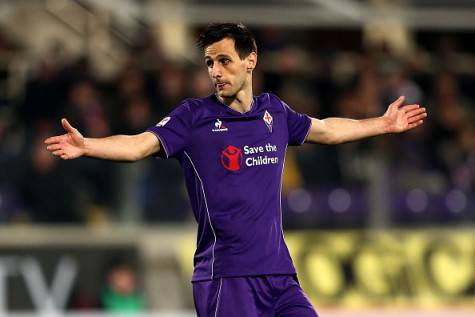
{"x": 232, "y": 90}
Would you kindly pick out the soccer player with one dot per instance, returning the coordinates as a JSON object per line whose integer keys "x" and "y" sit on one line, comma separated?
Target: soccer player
{"x": 232, "y": 146}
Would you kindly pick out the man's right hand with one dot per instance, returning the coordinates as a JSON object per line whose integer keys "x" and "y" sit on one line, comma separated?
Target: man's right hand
{"x": 67, "y": 146}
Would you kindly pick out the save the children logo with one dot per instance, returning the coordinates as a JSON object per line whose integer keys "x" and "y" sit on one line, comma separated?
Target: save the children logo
{"x": 231, "y": 158}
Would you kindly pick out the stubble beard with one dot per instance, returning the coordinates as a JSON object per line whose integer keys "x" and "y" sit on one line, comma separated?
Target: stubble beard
{"x": 232, "y": 94}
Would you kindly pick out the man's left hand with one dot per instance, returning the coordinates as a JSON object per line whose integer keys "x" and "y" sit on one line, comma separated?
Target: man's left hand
{"x": 401, "y": 118}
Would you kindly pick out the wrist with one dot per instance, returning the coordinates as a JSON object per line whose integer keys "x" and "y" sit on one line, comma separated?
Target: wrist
{"x": 87, "y": 149}
{"x": 385, "y": 125}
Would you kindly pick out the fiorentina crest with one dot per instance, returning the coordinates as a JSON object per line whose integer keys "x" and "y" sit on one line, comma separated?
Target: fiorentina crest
{"x": 268, "y": 120}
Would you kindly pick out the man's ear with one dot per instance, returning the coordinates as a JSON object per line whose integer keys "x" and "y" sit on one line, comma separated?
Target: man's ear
{"x": 251, "y": 61}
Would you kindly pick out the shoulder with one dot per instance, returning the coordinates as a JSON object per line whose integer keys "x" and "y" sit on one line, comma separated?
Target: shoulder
{"x": 189, "y": 106}
{"x": 197, "y": 109}
{"x": 267, "y": 97}
{"x": 199, "y": 104}
{"x": 271, "y": 101}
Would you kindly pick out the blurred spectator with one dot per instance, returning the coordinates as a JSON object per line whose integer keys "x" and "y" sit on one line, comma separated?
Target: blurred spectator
{"x": 42, "y": 94}
{"x": 131, "y": 80}
{"x": 137, "y": 115}
{"x": 47, "y": 189}
{"x": 398, "y": 83}
{"x": 453, "y": 114}
{"x": 463, "y": 175}
{"x": 122, "y": 293}
{"x": 86, "y": 109}
{"x": 172, "y": 87}
{"x": 199, "y": 84}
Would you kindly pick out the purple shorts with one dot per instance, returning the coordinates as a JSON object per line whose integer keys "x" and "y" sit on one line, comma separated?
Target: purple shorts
{"x": 255, "y": 296}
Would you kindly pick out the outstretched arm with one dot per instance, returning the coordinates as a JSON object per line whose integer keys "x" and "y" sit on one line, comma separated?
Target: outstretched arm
{"x": 398, "y": 118}
{"x": 117, "y": 147}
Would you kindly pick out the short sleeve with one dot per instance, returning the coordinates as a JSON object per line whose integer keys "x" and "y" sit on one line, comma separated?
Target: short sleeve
{"x": 174, "y": 131}
{"x": 298, "y": 125}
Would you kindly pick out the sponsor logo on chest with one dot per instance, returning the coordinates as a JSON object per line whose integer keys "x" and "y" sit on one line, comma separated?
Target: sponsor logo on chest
{"x": 233, "y": 157}
{"x": 219, "y": 126}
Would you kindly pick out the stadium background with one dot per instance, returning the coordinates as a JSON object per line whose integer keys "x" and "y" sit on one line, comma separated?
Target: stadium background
{"x": 385, "y": 225}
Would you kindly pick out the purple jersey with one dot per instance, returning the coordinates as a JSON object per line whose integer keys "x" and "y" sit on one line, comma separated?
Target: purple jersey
{"x": 233, "y": 165}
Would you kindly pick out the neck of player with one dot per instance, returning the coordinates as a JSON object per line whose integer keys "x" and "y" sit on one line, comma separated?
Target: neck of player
{"x": 242, "y": 101}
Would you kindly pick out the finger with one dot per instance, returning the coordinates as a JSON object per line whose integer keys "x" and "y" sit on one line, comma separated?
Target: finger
{"x": 416, "y": 113}
{"x": 58, "y": 152}
{"x": 417, "y": 118}
{"x": 415, "y": 124}
{"x": 54, "y": 147}
{"x": 54, "y": 139}
{"x": 415, "y": 110}
{"x": 64, "y": 157}
{"x": 399, "y": 102}
{"x": 410, "y": 108}
{"x": 66, "y": 125}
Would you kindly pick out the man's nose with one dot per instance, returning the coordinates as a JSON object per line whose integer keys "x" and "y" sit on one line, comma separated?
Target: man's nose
{"x": 216, "y": 71}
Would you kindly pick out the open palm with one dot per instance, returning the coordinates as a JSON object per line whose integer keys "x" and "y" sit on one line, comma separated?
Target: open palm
{"x": 67, "y": 146}
{"x": 402, "y": 118}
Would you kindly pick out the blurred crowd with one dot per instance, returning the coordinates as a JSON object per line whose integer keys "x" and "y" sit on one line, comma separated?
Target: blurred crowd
{"x": 423, "y": 177}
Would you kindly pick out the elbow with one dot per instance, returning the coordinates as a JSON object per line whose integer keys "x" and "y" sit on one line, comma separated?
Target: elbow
{"x": 129, "y": 158}
{"x": 331, "y": 139}
{"x": 324, "y": 132}
{"x": 133, "y": 159}
{"x": 140, "y": 148}
{"x": 143, "y": 152}
{"x": 133, "y": 155}
{"x": 332, "y": 142}
{"x": 137, "y": 156}
{"x": 326, "y": 141}
{"x": 336, "y": 139}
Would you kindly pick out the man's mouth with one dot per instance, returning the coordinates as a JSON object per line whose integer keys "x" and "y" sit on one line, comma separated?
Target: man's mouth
{"x": 221, "y": 86}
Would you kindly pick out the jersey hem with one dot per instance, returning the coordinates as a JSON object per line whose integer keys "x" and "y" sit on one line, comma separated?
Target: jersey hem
{"x": 231, "y": 274}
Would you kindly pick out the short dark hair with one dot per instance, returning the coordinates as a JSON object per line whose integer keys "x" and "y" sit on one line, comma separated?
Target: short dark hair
{"x": 244, "y": 41}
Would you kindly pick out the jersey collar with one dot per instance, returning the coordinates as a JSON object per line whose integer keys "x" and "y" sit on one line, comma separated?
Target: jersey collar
{"x": 231, "y": 110}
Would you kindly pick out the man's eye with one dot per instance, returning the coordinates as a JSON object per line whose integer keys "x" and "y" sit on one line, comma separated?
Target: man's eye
{"x": 209, "y": 63}
{"x": 225, "y": 61}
